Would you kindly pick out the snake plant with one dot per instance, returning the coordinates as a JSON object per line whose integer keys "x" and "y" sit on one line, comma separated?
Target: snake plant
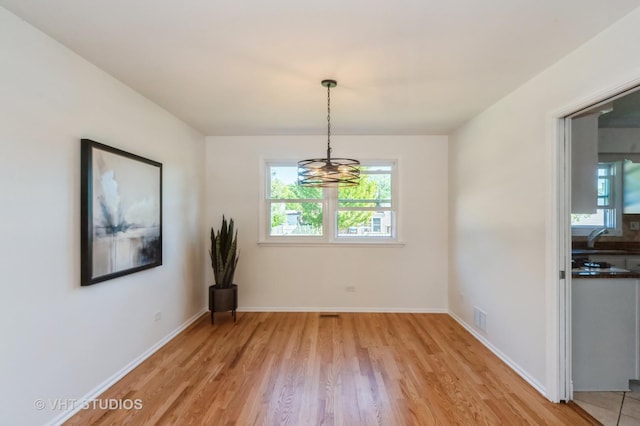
{"x": 224, "y": 254}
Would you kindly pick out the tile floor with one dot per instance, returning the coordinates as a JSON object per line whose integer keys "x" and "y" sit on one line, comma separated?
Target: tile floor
{"x": 611, "y": 408}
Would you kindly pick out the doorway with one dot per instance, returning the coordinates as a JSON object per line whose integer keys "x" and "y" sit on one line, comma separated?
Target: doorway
{"x": 596, "y": 206}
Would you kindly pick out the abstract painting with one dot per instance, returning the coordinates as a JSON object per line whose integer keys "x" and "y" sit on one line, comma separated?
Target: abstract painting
{"x": 121, "y": 213}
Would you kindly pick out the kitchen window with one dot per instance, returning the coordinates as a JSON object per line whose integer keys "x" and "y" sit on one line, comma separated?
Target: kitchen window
{"x": 360, "y": 214}
{"x": 609, "y": 204}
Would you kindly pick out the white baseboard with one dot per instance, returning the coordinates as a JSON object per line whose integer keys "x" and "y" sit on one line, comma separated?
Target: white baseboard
{"x": 513, "y": 365}
{"x": 347, "y": 309}
{"x": 102, "y": 387}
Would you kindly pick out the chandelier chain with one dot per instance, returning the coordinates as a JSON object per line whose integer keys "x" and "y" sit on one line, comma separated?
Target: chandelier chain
{"x": 329, "y": 118}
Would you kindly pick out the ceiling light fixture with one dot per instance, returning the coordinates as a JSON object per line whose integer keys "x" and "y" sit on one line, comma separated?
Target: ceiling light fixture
{"x": 323, "y": 172}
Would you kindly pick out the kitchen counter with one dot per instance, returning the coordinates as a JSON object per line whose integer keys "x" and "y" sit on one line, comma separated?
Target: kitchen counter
{"x": 612, "y": 272}
{"x": 606, "y": 262}
{"x": 628, "y": 248}
{"x": 603, "y": 251}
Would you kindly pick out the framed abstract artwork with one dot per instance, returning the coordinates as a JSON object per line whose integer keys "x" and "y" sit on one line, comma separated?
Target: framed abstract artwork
{"x": 121, "y": 213}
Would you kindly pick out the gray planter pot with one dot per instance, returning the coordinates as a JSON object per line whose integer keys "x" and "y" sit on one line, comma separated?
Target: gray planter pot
{"x": 223, "y": 300}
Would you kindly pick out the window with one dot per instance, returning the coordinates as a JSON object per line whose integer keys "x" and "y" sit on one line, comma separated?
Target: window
{"x": 609, "y": 206}
{"x": 366, "y": 210}
{"x": 293, "y": 209}
{"x": 363, "y": 213}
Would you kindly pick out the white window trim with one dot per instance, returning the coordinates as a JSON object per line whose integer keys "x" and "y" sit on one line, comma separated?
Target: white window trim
{"x": 330, "y": 211}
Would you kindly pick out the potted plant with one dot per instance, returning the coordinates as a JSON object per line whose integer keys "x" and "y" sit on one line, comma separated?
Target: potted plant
{"x": 223, "y": 295}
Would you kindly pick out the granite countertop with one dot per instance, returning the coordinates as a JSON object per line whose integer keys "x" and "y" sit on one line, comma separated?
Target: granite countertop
{"x": 580, "y": 251}
{"x": 612, "y": 272}
{"x": 605, "y": 251}
{"x": 628, "y": 248}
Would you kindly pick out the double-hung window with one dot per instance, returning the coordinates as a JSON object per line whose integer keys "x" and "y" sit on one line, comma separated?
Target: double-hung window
{"x": 363, "y": 213}
{"x": 609, "y": 203}
{"x": 366, "y": 210}
{"x": 293, "y": 210}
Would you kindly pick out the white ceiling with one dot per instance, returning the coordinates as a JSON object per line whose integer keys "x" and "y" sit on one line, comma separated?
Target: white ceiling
{"x": 254, "y": 67}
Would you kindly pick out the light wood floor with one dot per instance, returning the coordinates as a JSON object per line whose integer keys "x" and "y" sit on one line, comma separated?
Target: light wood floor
{"x": 329, "y": 369}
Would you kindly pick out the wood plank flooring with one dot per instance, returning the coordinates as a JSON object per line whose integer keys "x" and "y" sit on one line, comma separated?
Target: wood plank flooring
{"x": 328, "y": 369}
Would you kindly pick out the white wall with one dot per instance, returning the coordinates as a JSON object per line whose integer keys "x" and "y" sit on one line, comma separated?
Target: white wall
{"x": 60, "y": 340}
{"x": 409, "y": 278}
{"x": 502, "y": 201}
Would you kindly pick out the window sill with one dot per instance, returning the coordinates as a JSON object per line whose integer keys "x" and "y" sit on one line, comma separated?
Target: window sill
{"x": 377, "y": 244}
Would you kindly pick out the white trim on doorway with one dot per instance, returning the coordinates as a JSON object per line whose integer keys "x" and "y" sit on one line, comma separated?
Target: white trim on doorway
{"x": 558, "y": 240}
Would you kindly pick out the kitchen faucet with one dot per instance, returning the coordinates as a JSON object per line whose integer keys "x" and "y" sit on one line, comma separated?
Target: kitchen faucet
{"x": 593, "y": 236}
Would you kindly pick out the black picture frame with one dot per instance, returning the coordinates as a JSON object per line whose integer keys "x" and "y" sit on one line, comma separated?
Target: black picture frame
{"x": 120, "y": 213}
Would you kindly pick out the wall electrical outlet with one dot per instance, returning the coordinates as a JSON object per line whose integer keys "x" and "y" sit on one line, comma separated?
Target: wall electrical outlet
{"x": 350, "y": 288}
{"x": 157, "y": 316}
{"x": 635, "y": 226}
